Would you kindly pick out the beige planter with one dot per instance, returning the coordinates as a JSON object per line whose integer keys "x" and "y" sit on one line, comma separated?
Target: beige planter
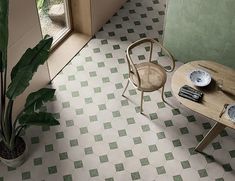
{"x": 16, "y": 162}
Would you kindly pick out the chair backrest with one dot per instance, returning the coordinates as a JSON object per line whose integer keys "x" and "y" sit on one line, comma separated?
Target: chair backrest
{"x": 131, "y": 65}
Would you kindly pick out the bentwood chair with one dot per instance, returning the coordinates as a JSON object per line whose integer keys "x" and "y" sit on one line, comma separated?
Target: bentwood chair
{"x": 147, "y": 76}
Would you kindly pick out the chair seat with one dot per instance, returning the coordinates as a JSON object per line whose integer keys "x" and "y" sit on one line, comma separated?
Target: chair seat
{"x": 152, "y": 76}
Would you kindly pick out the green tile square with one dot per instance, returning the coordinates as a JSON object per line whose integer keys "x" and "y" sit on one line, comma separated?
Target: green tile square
{"x": 168, "y": 123}
{"x": 93, "y": 74}
{"x": 191, "y": 118}
{"x": 161, "y": 170}
{"x": 71, "y": 77}
{"x": 103, "y": 158}
{"x": 88, "y": 100}
{"x": 62, "y": 88}
{"x": 84, "y": 83}
{"x": 135, "y": 176}
{"x": 52, "y": 170}
{"x": 128, "y": 153}
{"x": 175, "y": 111}
{"x": 88, "y": 150}
{"x": 161, "y": 135}
{"x": 110, "y": 96}
{"x": 80, "y": 68}
{"x": 227, "y": 167}
{"x": 132, "y": 92}
{"x": 141, "y": 57}
{"x": 116, "y": 114}
{"x": 116, "y": 47}
{"x": 83, "y": 130}
{"x": 79, "y": 111}
{"x": 177, "y": 178}
{"x": 232, "y": 153}
{"x": 185, "y": 164}
{"x": 56, "y": 115}
{"x": 37, "y": 161}
{"x": 45, "y": 128}
{"x": 98, "y": 137}
{"x": 147, "y": 98}
{"x": 130, "y": 121}
{"x": 144, "y": 161}
{"x": 122, "y": 132}
{"x": 199, "y": 137}
{"x": 176, "y": 143}
{"x": 137, "y": 140}
{"x": 88, "y": 59}
{"x": 49, "y": 148}
{"x": 119, "y": 86}
{"x": 96, "y": 50}
{"x": 161, "y": 105}
{"x": 126, "y": 76}
{"x": 97, "y": 89}
{"x": 69, "y": 123}
{"x": 101, "y": 64}
{"x": 216, "y": 145}
{"x": 109, "y": 179}
{"x": 184, "y": 130}
{"x": 223, "y": 133}
{"x": 202, "y": 173}
{"x": 94, "y": 172}
{"x": 168, "y": 94}
{"x": 219, "y": 179}
{"x": 1, "y": 179}
{"x": 103, "y": 42}
{"x": 107, "y": 125}
{"x": 102, "y": 107}
{"x": 63, "y": 156}
{"x": 59, "y": 135}
{"x": 206, "y": 125}
{"x": 35, "y": 140}
{"x": 153, "y": 148}
{"x": 78, "y": 164}
{"x": 108, "y": 55}
{"x": 73, "y": 142}
{"x": 113, "y": 145}
{"x": 124, "y": 102}
{"x": 169, "y": 156}
{"x": 209, "y": 158}
{"x": 93, "y": 118}
{"x": 105, "y": 79}
{"x": 26, "y": 175}
{"x": 153, "y": 116}
{"x": 75, "y": 94}
{"x": 67, "y": 178}
{"x": 113, "y": 70}
{"x": 121, "y": 60}
{"x": 10, "y": 169}
{"x": 119, "y": 167}
{"x": 145, "y": 128}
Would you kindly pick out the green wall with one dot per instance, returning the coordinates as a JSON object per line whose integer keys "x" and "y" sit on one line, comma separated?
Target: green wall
{"x": 201, "y": 29}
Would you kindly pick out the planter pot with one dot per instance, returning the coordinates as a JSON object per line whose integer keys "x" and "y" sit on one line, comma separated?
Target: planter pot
{"x": 18, "y": 160}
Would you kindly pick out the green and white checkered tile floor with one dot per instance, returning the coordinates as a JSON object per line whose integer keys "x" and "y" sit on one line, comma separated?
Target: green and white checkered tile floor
{"x": 102, "y": 136}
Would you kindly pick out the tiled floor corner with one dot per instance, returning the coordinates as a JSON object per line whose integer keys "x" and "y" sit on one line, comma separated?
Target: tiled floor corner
{"x": 102, "y": 136}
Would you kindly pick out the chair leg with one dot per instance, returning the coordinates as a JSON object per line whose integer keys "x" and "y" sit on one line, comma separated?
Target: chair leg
{"x": 162, "y": 95}
{"x": 141, "y": 102}
{"x": 125, "y": 88}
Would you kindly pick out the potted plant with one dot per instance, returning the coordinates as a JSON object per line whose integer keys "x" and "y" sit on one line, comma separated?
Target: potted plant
{"x": 12, "y": 147}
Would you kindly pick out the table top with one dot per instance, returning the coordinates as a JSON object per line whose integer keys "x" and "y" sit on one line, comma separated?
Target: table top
{"x": 214, "y": 99}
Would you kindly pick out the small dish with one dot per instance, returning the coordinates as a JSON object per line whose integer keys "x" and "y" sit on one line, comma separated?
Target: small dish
{"x": 231, "y": 112}
{"x": 200, "y": 78}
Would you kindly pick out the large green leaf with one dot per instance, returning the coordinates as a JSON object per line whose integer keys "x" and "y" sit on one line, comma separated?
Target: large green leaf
{"x": 36, "y": 99}
{"x": 38, "y": 119}
{"x": 19, "y": 83}
{"x": 34, "y": 57}
{"x": 3, "y": 33}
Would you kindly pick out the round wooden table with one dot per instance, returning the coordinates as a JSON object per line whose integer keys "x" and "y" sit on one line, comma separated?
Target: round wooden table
{"x": 214, "y": 98}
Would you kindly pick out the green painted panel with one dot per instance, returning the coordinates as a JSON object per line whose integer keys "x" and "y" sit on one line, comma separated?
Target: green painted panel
{"x": 201, "y": 29}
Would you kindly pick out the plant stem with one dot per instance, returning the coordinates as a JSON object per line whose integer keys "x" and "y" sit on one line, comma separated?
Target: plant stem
{"x": 2, "y": 104}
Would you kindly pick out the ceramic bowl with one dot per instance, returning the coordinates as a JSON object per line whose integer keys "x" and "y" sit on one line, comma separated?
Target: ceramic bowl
{"x": 200, "y": 78}
{"x": 231, "y": 112}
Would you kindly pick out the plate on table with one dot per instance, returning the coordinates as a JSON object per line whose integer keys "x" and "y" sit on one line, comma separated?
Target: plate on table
{"x": 231, "y": 112}
{"x": 200, "y": 78}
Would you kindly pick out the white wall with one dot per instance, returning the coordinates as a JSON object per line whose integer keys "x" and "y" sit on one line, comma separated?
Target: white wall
{"x": 24, "y": 32}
